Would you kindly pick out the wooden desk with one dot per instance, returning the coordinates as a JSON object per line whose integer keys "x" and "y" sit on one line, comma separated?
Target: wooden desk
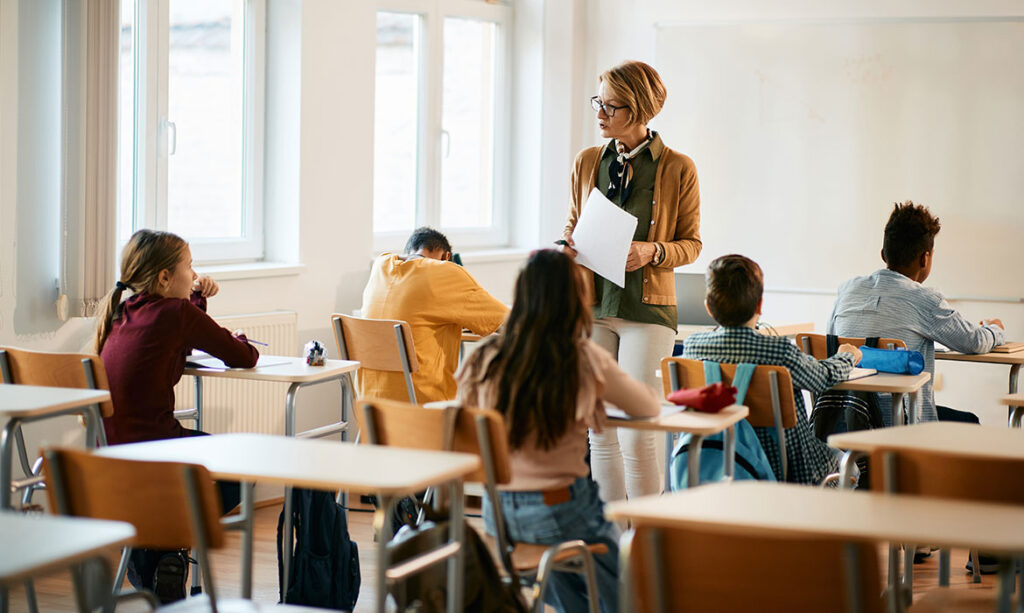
{"x": 789, "y": 510}
{"x": 897, "y": 385}
{"x": 954, "y": 438}
{"x": 672, "y": 421}
{"x": 1013, "y": 360}
{"x": 21, "y": 404}
{"x": 1016, "y": 404}
{"x": 35, "y": 545}
{"x": 790, "y": 330}
{"x": 389, "y": 472}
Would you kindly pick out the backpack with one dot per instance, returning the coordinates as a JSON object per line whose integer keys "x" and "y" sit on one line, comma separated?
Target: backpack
{"x": 325, "y": 566}
{"x": 845, "y": 411}
{"x": 751, "y": 460}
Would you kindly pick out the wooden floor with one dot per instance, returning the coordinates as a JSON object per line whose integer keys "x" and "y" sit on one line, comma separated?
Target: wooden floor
{"x": 54, "y": 593}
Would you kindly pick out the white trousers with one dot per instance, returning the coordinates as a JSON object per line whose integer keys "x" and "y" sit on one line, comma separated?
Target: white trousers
{"x": 625, "y": 461}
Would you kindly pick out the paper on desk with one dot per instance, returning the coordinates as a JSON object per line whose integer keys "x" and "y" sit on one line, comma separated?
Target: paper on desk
{"x": 204, "y": 360}
{"x": 602, "y": 237}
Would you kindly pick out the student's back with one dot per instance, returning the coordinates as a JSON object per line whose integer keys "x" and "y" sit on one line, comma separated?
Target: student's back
{"x": 437, "y": 299}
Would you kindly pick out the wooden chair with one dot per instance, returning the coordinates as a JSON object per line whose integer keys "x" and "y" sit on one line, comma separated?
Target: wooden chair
{"x": 769, "y": 397}
{"x": 816, "y": 345}
{"x": 481, "y": 432}
{"x": 377, "y": 344}
{"x": 684, "y": 569}
{"x": 172, "y": 506}
{"x": 944, "y": 475}
{"x": 74, "y": 370}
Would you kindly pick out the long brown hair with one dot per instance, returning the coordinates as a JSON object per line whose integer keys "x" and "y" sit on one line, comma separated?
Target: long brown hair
{"x": 147, "y": 253}
{"x": 536, "y": 369}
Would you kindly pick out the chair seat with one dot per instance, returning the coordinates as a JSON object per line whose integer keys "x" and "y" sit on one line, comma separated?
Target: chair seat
{"x": 960, "y": 600}
{"x": 233, "y": 605}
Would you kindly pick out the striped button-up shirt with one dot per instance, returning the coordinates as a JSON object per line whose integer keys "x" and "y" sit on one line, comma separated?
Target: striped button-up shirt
{"x": 810, "y": 460}
{"x": 889, "y": 304}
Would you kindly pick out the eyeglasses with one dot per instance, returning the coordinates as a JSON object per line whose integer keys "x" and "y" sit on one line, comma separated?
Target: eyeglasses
{"x": 608, "y": 109}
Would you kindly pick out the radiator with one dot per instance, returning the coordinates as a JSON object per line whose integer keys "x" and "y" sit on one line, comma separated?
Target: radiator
{"x": 233, "y": 405}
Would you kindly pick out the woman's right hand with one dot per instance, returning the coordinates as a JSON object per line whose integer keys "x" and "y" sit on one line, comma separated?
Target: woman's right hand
{"x": 566, "y": 246}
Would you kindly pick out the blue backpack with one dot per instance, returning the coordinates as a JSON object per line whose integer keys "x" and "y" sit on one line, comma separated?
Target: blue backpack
{"x": 751, "y": 461}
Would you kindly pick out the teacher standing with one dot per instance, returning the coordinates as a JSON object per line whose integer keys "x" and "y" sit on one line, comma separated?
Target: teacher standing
{"x": 636, "y": 323}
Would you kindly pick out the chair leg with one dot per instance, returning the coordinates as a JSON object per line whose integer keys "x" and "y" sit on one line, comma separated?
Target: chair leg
{"x": 944, "y": 567}
{"x": 548, "y": 566}
{"x": 976, "y": 564}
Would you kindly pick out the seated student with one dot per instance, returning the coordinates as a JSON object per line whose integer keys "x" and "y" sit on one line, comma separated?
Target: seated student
{"x": 734, "y": 289}
{"x": 550, "y": 382}
{"x": 891, "y": 302}
{"x": 437, "y": 298}
{"x": 143, "y": 342}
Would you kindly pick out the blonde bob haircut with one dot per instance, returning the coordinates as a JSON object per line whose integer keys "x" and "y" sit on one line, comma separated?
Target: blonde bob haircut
{"x": 637, "y": 86}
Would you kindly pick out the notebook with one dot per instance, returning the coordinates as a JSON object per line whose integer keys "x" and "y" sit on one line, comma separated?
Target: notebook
{"x": 203, "y": 360}
{"x": 1008, "y": 348}
{"x": 860, "y": 373}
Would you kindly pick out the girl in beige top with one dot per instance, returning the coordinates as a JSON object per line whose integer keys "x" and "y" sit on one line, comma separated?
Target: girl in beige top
{"x": 550, "y": 383}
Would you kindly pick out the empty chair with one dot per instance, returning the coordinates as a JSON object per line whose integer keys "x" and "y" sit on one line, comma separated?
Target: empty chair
{"x": 817, "y": 345}
{"x": 377, "y": 344}
{"x": 682, "y": 569}
{"x": 172, "y": 506}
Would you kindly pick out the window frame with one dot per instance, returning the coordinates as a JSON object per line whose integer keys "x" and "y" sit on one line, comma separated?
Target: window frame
{"x": 151, "y": 145}
{"x": 430, "y": 76}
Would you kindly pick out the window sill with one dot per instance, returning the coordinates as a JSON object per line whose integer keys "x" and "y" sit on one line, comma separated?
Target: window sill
{"x": 488, "y": 256}
{"x": 250, "y": 270}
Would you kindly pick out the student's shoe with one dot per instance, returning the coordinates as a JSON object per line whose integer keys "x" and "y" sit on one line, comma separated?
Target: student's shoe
{"x": 921, "y": 554}
{"x": 170, "y": 577}
{"x": 989, "y": 564}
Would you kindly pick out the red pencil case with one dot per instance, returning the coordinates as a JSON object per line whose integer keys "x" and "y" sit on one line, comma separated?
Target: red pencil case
{"x": 708, "y": 399}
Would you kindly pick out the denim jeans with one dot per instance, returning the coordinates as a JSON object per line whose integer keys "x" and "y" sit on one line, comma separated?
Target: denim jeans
{"x": 529, "y": 520}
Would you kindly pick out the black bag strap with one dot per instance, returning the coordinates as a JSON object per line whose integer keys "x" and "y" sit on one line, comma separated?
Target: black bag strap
{"x": 831, "y": 345}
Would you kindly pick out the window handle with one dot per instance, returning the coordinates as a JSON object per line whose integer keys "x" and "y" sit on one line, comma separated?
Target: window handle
{"x": 172, "y": 136}
{"x": 446, "y": 143}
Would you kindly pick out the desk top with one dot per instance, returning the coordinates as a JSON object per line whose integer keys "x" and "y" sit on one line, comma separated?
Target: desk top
{"x": 1016, "y": 357}
{"x": 949, "y": 437}
{"x": 310, "y": 463}
{"x": 886, "y": 382}
{"x": 1014, "y": 400}
{"x": 759, "y": 508}
{"x": 694, "y": 422}
{"x": 34, "y": 400}
{"x": 281, "y": 368}
{"x": 685, "y": 330}
{"x": 37, "y": 544}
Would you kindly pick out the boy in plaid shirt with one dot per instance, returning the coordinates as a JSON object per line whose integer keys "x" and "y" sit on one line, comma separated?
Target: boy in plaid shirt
{"x": 734, "y": 289}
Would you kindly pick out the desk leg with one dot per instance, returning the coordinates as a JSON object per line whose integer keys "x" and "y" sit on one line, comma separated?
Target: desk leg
{"x": 456, "y": 564}
{"x": 289, "y": 409}
{"x": 907, "y": 590}
{"x": 382, "y": 526}
{"x": 895, "y": 598}
{"x": 693, "y": 461}
{"x": 199, "y": 401}
{"x": 1014, "y": 376}
{"x": 730, "y": 453}
{"x": 912, "y": 408}
{"x": 897, "y": 409}
{"x": 247, "y": 530}
{"x": 670, "y": 442}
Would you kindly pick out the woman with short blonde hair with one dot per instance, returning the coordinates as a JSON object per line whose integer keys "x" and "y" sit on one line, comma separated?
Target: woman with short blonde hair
{"x": 636, "y": 323}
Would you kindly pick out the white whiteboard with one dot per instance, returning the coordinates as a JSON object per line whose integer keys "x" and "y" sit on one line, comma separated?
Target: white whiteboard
{"x": 805, "y": 133}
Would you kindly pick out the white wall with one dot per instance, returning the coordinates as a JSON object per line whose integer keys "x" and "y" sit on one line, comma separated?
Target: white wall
{"x": 618, "y": 30}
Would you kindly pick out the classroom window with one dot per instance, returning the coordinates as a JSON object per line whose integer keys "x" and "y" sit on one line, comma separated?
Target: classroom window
{"x": 191, "y": 117}
{"x": 439, "y": 124}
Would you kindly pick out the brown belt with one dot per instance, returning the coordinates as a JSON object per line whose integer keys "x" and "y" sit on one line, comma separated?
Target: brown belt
{"x": 557, "y": 496}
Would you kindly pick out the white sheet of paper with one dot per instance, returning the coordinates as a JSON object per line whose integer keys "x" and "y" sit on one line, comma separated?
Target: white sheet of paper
{"x": 602, "y": 237}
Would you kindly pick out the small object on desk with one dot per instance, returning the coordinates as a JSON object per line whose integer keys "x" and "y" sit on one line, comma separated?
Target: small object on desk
{"x": 708, "y": 399}
{"x": 860, "y": 373}
{"x": 1008, "y": 348}
{"x": 897, "y": 361}
{"x": 315, "y": 353}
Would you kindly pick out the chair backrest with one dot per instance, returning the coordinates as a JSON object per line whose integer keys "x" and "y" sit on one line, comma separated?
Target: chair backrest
{"x": 816, "y": 345}
{"x": 398, "y": 424}
{"x": 680, "y": 569}
{"x": 78, "y": 370}
{"x": 946, "y": 475}
{"x": 152, "y": 496}
{"x": 678, "y": 373}
{"x": 374, "y": 342}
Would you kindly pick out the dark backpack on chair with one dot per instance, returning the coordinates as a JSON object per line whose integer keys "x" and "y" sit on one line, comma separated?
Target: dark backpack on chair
{"x": 837, "y": 411}
{"x": 325, "y": 567}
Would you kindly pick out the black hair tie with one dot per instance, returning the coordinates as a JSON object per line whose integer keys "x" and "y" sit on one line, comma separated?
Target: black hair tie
{"x": 120, "y": 286}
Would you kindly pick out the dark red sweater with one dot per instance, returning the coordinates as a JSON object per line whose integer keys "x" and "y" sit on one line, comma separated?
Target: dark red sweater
{"x": 145, "y": 357}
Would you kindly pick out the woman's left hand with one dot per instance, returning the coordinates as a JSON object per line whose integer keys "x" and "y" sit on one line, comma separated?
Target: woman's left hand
{"x": 206, "y": 286}
{"x": 640, "y": 255}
